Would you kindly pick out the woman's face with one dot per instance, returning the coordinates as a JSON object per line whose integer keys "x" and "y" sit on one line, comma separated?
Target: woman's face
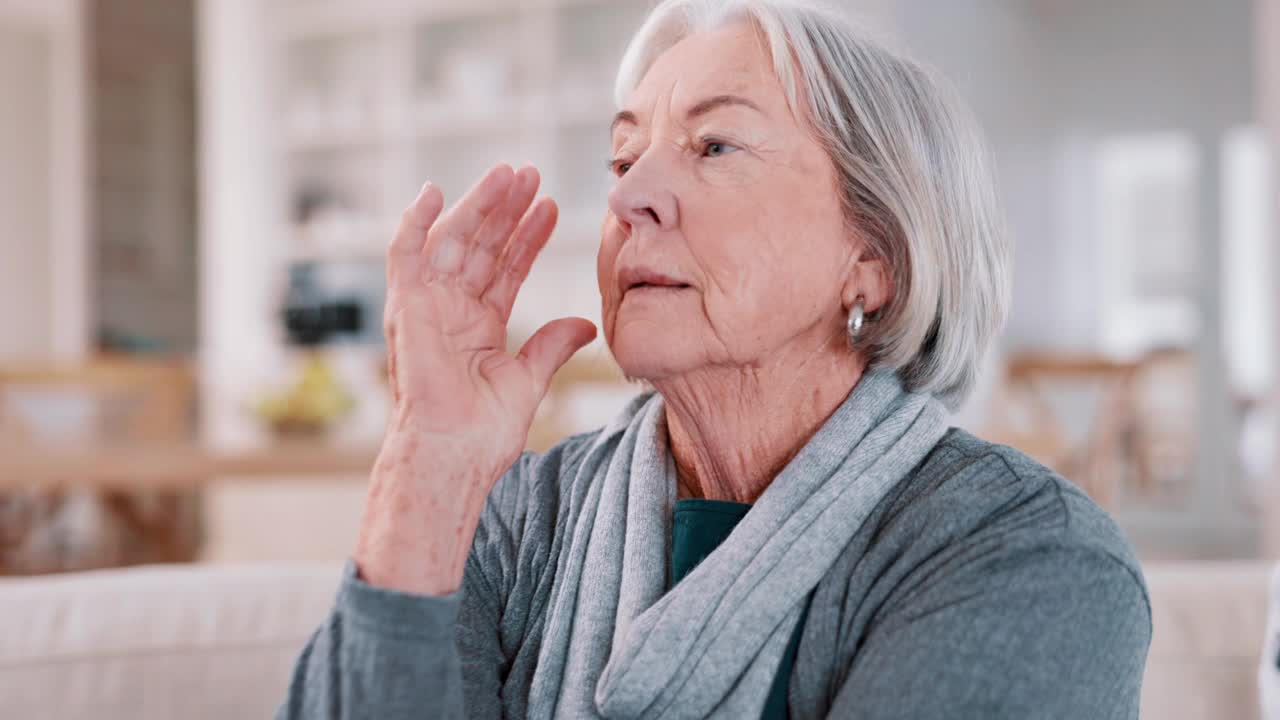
{"x": 727, "y": 197}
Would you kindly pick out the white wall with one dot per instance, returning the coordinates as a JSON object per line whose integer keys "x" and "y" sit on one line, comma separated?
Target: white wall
{"x": 25, "y": 247}
{"x": 43, "y": 181}
{"x": 1268, "y": 60}
{"x": 241, "y": 213}
{"x": 991, "y": 50}
{"x": 1048, "y": 80}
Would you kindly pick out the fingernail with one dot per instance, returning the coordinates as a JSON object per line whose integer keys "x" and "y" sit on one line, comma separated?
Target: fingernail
{"x": 421, "y": 193}
{"x": 503, "y": 169}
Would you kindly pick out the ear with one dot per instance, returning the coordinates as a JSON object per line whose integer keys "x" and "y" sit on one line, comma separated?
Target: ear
{"x": 870, "y": 279}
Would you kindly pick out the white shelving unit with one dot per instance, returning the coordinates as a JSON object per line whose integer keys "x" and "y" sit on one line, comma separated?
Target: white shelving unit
{"x": 377, "y": 97}
{"x": 346, "y": 108}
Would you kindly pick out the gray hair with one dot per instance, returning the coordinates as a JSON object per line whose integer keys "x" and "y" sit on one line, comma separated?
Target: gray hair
{"x": 913, "y": 170}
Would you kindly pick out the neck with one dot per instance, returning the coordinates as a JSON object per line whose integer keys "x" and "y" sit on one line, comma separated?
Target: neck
{"x": 733, "y": 429}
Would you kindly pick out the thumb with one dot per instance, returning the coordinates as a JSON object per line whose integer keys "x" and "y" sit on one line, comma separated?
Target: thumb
{"x": 552, "y": 346}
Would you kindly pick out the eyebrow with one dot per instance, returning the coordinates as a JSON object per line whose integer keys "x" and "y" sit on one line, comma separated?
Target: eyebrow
{"x": 702, "y": 108}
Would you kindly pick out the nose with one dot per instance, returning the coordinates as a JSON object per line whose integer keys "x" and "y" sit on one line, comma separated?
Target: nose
{"x": 641, "y": 197}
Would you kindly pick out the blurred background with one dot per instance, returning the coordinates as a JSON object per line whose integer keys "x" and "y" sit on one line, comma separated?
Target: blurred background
{"x": 196, "y": 197}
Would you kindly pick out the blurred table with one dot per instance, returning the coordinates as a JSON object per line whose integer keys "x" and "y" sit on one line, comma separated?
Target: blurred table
{"x": 138, "y": 466}
{"x": 1121, "y": 435}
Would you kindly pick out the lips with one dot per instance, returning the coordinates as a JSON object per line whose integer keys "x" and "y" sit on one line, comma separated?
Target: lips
{"x": 632, "y": 278}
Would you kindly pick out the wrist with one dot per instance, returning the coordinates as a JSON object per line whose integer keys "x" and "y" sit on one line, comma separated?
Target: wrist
{"x": 420, "y": 517}
{"x": 380, "y": 563}
{"x": 414, "y": 545}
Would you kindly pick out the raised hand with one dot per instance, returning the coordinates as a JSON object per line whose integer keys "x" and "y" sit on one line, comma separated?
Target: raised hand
{"x": 462, "y": 404}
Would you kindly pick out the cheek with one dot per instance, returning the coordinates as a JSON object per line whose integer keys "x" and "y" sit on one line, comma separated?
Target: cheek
{"x": 746, "y": 241}
{"x": 747, "y": 287}
{"x": 606, "y": 262}
{"x": 770, "y": 262}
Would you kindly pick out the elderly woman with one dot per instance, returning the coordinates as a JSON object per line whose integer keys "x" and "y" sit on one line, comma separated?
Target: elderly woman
{"x": 803, "y": 256}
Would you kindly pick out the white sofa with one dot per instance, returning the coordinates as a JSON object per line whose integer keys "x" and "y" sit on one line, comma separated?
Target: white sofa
{"x": 198, "y": 642}
{"x": 191, "y": 642}
{"x": 1210, "y": 621}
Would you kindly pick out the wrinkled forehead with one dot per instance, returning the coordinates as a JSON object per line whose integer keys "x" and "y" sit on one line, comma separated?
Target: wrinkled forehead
{"x": 732, "y": 60}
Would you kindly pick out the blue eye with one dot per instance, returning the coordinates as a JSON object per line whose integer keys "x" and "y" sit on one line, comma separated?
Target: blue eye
{"x": 715, "y": 148}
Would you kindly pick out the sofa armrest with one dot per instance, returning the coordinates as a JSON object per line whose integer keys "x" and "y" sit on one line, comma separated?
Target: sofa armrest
{"x": 1209, "y": 621}
{"x": 190, "y": 641}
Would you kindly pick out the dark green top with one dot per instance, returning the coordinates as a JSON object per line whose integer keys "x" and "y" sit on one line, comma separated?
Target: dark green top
{"x": 699, "y": 526}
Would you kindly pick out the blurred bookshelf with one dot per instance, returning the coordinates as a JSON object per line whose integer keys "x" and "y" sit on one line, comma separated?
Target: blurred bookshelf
{"x": 376, "y": 98}
{"x": 379, "y": 97}
{"x": 322, "y": 120}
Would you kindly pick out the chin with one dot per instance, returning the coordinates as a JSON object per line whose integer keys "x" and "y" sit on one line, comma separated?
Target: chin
{"x": 649, "y": 356}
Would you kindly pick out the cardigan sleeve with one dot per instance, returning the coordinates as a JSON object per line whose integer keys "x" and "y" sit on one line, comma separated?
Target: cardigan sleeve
{"x": 1015, "y": 632}
{"x": 390, "y": 655}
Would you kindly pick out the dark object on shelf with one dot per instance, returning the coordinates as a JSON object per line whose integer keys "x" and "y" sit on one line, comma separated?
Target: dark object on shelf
{"x": 310, "y": 200}
{"x": 313, "y": 317}
{"x": 310, "y": 325}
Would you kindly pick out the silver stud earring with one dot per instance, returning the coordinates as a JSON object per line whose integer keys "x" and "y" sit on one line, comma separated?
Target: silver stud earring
{"x": 857, "y": 317}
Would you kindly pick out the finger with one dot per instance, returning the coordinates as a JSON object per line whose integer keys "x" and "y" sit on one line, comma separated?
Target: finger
{"x": 497, "y": 229}
{"x": 405, "y": 251}
{"x": 479, "y": 265}
{"x": 448, "y": 240}
{"x": 417, "y": 219}
{"x": 552, "y": 346}
{"x": 529, "y": 238}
